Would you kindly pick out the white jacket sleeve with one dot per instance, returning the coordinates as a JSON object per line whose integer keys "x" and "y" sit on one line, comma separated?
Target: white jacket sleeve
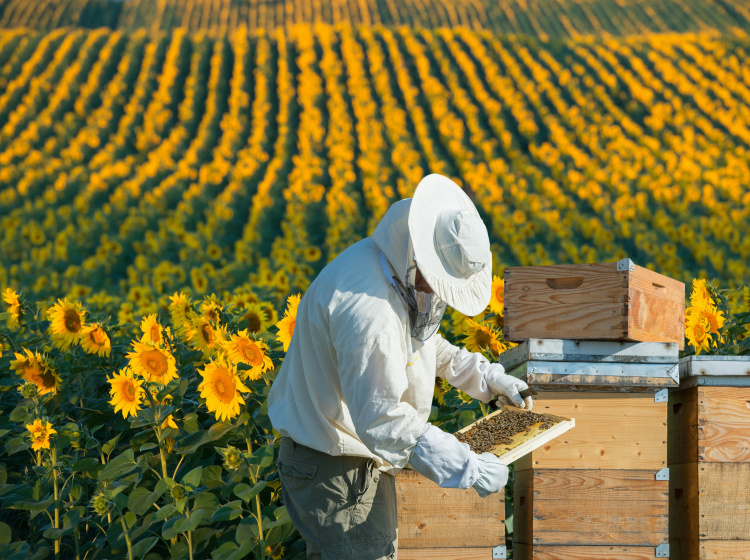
{"x": 443, "y": 459}
{"x": 464, "y": 370}
{"x": 373, "y": 382}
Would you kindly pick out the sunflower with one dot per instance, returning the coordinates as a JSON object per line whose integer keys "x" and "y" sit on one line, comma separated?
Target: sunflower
{"x": 203, "y": 335}
{"x": 95, "y": 341}
{"x": 700, "y": 296}
{"x": 442, "y": 387}
{"x": 152, "y": 362}
{"x": 221, "y": 387}
{"x": 480, "y": 337}
{"x": 697, "y": 333}
{"x": 180, "y": 309}
{"x": 275, "y": 552}
{"x": 715, "y": 320}
{"x": 126, "y": 392}
{"x": 257, "y": 320}
{"x": 210, "y": 309}
{"x": 66, "y": 323}
{"x": 125, "y": 313}
{"x": 242, "y": 348}
{"x": 36, "y": 368}
{"x": 497, "y": 300}
{"x": 312, "y": 254}
{"x": 40, "y": 434}
{"x": 169, "y": 422}
{"x": 286, "y": 325}
{"x": 271, "y": 315}
{"x": 14, "y": 307}
{"x": 153, "y": 332}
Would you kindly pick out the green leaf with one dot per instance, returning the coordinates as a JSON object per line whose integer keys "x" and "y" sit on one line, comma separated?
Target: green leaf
{"x": 193, "y": 478}
{"x": 247, "y": 530}
{"x": 263, "y": 456}
{"x": 5, "y": 533}
{"x": 245, "y": 493}
{"x": 108, "y": 447}
{"x": 212, "y": 476}
{"x": 19, "y": 414}
{"x": 168, "y": 530}
{"x": 165, "y": 512}
{"x": 466, "y": 418}
{"x": 190, "y": 524}
{"x": 141, "y": 499}
{"x": 87, "y": 465}
{"x": 141, "y": 548}
{"x": 230, "y": 551}
{"x": 16, "y": 444}
{"x": 130, "y": 519}
{"x": 227, "y": 512}
{"x": 119, "y": 466}
{"x": 190, "y": 423}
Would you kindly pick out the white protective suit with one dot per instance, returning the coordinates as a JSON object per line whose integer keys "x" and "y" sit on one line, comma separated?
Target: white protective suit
{"x": 354, "y": 381}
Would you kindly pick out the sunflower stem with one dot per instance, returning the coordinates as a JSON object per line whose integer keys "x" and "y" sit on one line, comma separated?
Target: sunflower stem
{"x": 163, "y": 462}
{"x": 57, "y": 495}
{"x": 260, "y": 520}
{"x": 483, "y": 407}
{"x": 127, "y": 538}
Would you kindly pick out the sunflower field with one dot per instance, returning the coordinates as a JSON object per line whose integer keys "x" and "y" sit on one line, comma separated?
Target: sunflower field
{"x": 174, "y": 173}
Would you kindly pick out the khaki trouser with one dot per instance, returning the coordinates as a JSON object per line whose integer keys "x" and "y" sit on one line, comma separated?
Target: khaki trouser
{"x": 343, "y": 506}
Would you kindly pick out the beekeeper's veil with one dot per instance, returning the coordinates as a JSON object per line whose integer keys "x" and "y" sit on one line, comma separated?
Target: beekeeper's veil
{"x": 440, "y": 231}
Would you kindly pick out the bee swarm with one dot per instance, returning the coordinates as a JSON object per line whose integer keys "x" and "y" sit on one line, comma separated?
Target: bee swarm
{"x": 501, "y": 428}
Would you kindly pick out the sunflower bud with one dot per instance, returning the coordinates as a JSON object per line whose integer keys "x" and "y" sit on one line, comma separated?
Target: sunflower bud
{"x": 169, "y": 442}
{"x": 232, "y": 458}
{"x": 100, "y": 504}
{"x": 177, "y": 492}
{"x": 28, "y": 390}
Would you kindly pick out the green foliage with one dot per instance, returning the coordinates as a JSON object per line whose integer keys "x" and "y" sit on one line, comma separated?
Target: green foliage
{"x": 111, "y": 487}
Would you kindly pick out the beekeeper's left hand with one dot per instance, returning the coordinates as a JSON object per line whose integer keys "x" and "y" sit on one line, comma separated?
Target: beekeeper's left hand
{"x": 507, "y": 387}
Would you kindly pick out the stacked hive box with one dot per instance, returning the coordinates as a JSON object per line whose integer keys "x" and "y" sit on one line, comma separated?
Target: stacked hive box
{"x": 709, "y": 459}
{"x": 599, "y": 491}
{"x": 447, "y": 524}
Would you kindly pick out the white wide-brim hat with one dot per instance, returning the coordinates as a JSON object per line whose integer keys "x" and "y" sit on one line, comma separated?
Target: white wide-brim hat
{"x": 451, "y": 244}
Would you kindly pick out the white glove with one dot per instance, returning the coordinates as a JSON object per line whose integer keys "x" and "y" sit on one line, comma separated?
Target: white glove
{"x": 507, "y": 387}
{"x": 493, "y": 475}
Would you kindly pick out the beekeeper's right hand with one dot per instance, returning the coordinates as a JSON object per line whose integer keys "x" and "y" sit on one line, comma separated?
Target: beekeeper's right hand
{"x": 493, "y": 475}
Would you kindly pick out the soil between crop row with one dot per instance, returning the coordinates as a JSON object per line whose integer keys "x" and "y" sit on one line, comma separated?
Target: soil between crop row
{"x": 501, "y": 428}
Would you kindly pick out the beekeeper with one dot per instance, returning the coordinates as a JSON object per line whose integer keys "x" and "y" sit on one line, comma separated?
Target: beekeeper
{"x": 354, "y": 393}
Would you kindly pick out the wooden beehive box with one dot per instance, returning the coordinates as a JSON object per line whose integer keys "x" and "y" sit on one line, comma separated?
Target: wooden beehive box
{"x": 437, "y": 523}
{"x": 599, "y": 491}
{"x": 604, "y": 301}
{"x": 709, "y": 459}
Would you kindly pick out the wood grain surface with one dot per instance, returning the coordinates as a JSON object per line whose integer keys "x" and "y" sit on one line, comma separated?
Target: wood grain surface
{"x": 541, "y": 552}
{"x": 682, "y": 426}
{"x": 724, "y": 501}
{"x": 443, "y": 553}
{"x": 723, "y": 424}
{"x": 725, "y": 550}
{"x": 591, "y": 507}
{"x": 613, "y": 431}
{"x": 433, "y": 517}
{"x": 593, "y": 301}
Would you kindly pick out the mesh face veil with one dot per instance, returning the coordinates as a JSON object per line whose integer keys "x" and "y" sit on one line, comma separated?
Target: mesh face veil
{"x": 425, "y": 310}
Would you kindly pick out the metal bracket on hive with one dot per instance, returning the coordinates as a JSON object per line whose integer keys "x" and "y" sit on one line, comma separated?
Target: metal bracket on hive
{"x": 499, "y": 552}
{"x": 663, "y": 474}
{"x": 625, "y": 264}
